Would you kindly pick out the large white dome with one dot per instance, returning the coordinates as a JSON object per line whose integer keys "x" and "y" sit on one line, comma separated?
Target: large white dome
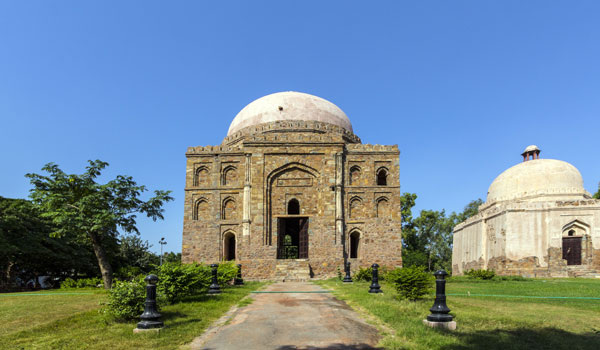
{"x": 289, "y": 105}
{"x": 539, "y": 177}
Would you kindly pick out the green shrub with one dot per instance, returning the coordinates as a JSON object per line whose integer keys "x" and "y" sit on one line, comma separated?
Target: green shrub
{"x": 226, "y": 273}
{"x": 411, "y": 282}
{"x": 364, "y": 274}
{"x": 511, "y": 278}
{"x": 481, "y": 274}
{"x": 128, "y": 273}
{"x": 126, "y": 299}
{"x": 82, "y": 283}
{"x": 176, "y": 280}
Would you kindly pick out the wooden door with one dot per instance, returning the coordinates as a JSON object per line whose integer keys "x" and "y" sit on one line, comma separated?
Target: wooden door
{"x": 280, "y": 236}
{"x": 571, "y": 249}
{"x": 303, "y": 238}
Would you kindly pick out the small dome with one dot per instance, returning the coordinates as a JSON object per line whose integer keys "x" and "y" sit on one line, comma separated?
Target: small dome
{"x": 531, "y": 148}
{"x": 289, "y": 105}
{"x": 537, "y": 177}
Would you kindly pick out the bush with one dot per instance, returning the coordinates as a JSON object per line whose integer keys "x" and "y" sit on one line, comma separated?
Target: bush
{"x": 226, "y": 273}
{"x": 511, "y": 278}
{"x": 128, "y": 273}
{"x": 364, "y": 274}
{"x": 411, "y": 282}
{"x": 176, "y": 280}
{"x": 126, "y": 299}
{"x": 82, "y": 283}
{"x": 481, "y": 274}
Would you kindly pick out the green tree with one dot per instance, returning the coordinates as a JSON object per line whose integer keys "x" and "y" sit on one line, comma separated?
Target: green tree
{"x": 597, "y": 195}
{"x": 79, "y": 206}
{"x": 27, "y": 251}
{"x": 135, "y": 253}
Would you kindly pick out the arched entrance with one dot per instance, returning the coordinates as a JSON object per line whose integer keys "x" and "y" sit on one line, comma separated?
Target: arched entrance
{"x": 354, "y": 240}
{"x": 229, "y": 246}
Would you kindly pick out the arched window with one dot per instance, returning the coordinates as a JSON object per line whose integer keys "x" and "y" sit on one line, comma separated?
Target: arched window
{"x": 354, "y": 240}
{"x": 201, "y": 209}
{"x": 293, "y": 207}
{"x": 571, "y": 233}
{"x": 229, "y": 176}
{"x": 382, "y": 177}
{"x": 383, "y": 208}
{"x": 355, "y": 175}
{"x": 201, "y": 176}
{"x": 229, "y": 246}
{"x": 355, "y": 207}
{"x": 228, "y": 212}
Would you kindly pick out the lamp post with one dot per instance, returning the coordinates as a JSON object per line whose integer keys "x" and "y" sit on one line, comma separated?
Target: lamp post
{"x": 162, "y": 242}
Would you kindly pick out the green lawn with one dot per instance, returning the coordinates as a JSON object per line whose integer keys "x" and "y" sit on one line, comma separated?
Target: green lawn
{"x": 487, "y": 322}
{"x": 67, "y": 321}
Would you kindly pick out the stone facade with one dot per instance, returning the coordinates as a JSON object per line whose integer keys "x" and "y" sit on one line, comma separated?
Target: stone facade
{"x": 275, "y": 188}
{"x": 532, "y": 212}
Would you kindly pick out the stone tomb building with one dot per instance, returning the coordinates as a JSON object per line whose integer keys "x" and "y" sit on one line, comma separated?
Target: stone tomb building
{"x": 292, "y": 192}
{"x": 537, "y": 221}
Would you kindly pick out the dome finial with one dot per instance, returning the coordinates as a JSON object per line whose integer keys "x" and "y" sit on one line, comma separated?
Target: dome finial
{"x": 531, "y": 151}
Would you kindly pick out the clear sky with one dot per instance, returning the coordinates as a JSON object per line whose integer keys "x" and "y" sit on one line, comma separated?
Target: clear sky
{"x": 461, "y": 86}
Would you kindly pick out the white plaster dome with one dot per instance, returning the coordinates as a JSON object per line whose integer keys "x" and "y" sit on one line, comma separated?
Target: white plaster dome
{"x": 289, "y": 105}
{"x": 539, "y": 177}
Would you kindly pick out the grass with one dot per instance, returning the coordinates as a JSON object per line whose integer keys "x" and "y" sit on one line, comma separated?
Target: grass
{"x": 58, "y": 321}
{"x": 495, "y": 323}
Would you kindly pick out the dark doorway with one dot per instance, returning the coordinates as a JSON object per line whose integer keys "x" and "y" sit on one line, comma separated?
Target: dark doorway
{"x": 571, "y": 249}
{"x": 293, "y": 207}
{"x": 292, "y": 238}
{"x": 382, "y": 177}
{"x": 354, "y": 238}
{"x": 229, "y": 246}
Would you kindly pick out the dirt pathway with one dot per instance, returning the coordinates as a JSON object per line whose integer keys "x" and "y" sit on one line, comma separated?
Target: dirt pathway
{"x": 311, "y": 318}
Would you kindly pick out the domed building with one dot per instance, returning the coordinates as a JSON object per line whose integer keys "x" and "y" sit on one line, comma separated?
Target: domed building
{"x": 292, "y": 193}
{"x": 537, "y": 221}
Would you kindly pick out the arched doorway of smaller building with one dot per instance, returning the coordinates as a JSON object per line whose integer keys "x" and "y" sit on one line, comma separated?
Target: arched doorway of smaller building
{"x": 354, "y": 240}
{"x": 292, "y": 238}
{"x": 229, "y": 246}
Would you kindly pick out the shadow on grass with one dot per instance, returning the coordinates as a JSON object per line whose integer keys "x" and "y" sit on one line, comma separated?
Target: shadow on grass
{"x": 526, "y": 338}
{"x": 336, "y": 346}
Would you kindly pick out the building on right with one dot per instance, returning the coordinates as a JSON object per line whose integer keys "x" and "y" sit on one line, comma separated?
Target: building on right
{"x": 537, "y": 221}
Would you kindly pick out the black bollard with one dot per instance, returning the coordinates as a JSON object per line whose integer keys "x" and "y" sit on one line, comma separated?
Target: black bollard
{"x": 150, "y": 317}
{"x": 375, "y": 288}
{"x": 439, "y": 310}
{"x": 347, "y": 278}
{"x": 238, "y": 279}
{"x": 214, "y": 288}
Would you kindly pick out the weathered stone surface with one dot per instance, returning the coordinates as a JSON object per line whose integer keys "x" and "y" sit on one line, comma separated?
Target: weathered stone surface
{"x": 243, "y": 187}
{"x": 531, "y": 210}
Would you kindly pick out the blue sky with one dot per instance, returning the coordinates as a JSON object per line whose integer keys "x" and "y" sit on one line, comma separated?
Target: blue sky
{"x": 461, "y": 86}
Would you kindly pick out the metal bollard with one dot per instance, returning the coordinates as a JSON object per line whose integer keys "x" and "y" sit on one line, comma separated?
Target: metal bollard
{"x": 375, "y": 288}
{"x": 150, "y": 317}
{"x": 238, "y": 279}
{"x": 214, "y": 288}
{"x": 347, "y": 278}
{"x": 439, "y": 310}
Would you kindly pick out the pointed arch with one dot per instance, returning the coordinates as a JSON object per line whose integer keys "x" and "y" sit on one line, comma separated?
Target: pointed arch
{"x": 229, "y": 245}
{"x": 201, "y": 209}
{"x": 229, "y": 176}
{"x": 293, "y": 207}
{"x": 201, "y": 176}
{"x": 228, "y": 211}
{"x": 354, "y": 243}
{"x": 355, "y": 175}
{"x": 382, "y": 176}
{"x": 355, "y": 209}
{"x": 577, "y": 227}
{"x": 382, "y": 205}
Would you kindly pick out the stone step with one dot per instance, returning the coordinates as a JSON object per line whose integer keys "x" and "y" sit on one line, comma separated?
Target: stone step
{"x": 292, "y": 270}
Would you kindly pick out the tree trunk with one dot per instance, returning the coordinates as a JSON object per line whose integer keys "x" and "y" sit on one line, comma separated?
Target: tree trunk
{"x": 103, "y": 263}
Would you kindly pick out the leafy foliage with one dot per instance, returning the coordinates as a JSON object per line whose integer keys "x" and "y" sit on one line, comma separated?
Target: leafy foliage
{"x": 80, "y": 207}
{"x": 427, "y": 239}
{"x": 179, "y": 280}
{"x": 364, "y": 274}
{"x": 411, "y": 282}
{"x": 482, "y": 274}
{"x": 597, "y": 194}
{"x": 81, "y": 283}
{"x": 126, "y": 299}
{"x": 27, "y": 250}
